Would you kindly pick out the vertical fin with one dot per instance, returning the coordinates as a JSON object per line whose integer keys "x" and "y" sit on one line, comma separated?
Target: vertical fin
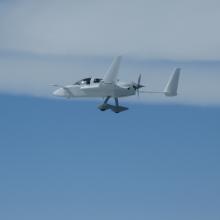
{"x": 172, "y": 85}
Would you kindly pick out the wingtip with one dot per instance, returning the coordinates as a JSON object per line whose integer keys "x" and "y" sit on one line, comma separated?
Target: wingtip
{"x": 178, "y": 70}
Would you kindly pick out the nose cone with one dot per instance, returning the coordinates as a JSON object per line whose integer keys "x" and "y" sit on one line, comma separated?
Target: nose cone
{"x": 59, "y": 92}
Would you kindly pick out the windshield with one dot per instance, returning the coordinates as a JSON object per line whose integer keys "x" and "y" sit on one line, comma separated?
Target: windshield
{"x": 85, "y": 81}
{"x": 97, "y": 80}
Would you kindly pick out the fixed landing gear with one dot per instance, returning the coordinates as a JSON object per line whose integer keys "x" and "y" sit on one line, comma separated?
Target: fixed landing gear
{"x": 115, "y": 108}
{"x": 104, "y": 106}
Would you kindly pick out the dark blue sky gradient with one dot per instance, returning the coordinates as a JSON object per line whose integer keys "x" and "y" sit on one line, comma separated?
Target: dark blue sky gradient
{"x": 67, "y": 160}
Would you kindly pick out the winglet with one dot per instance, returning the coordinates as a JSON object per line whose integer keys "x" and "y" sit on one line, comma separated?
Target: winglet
{"x": 112, "y": 72}
{"x": 172, "y": 85}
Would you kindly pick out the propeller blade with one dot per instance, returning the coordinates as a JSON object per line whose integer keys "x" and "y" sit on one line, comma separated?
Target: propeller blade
{"x": 138, "y": 85}
{"x": 139, "y": 80}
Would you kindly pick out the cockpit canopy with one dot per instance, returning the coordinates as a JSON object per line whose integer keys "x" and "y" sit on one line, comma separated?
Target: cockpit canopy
{"x": 97, "y": 80}
{"x": 88, "y": 81}
{"x": 85, "y": 81}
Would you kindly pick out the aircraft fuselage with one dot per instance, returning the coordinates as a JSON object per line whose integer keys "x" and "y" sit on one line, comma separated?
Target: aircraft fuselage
{"x": 96, "y": 90}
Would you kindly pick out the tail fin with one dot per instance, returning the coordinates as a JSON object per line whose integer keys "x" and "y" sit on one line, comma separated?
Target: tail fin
{"x": 172, "y": 85}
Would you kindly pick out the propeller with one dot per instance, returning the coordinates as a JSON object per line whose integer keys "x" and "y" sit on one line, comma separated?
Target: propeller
{"x": 138, "y": 85}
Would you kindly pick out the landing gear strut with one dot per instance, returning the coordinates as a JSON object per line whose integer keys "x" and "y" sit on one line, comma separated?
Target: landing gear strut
{"x": 115, "y": 108}
{"x": 104, "y": 106}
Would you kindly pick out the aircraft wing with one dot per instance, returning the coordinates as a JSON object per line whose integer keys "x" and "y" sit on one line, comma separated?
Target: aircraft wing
{"x": 111, "y": 74}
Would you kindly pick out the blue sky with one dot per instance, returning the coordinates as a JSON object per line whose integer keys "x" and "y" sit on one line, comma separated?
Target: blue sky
{"x": 67, "y": 160}
{"x": 61, "y": 159}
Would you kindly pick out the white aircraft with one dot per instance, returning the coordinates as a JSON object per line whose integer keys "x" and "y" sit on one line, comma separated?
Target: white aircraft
{"x": 111, "y": 87}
